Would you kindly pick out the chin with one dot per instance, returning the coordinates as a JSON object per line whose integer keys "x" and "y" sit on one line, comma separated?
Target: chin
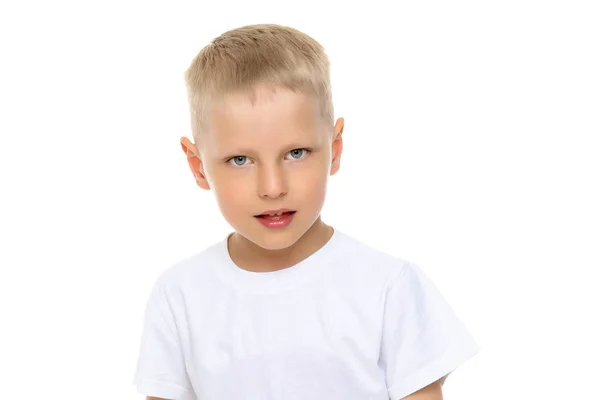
{"x": 273, "y": 239}
{"x": 276, "y": 240}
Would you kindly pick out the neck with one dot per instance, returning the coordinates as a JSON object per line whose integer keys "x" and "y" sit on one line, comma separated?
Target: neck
{"x": 251, "y": 257}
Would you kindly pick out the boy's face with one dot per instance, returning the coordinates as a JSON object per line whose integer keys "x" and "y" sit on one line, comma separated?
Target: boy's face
{"x": 275, "y": 153}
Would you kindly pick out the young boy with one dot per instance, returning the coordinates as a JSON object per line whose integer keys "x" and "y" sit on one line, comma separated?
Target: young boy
{"x": 286, "y": 307}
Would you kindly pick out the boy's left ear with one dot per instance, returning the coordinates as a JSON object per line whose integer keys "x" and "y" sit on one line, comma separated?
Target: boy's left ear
{"x": 337, "y": 146}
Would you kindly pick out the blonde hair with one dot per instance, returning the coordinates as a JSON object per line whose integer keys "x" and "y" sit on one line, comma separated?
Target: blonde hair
{"x": 241, "y": 59}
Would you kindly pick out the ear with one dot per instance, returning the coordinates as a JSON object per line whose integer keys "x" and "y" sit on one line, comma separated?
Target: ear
{"x": 194, "y": 162}
{"x": 337, "y": 146}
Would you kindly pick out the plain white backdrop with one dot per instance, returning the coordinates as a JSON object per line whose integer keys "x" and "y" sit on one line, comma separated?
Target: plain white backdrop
{"x": 471, "y": 148}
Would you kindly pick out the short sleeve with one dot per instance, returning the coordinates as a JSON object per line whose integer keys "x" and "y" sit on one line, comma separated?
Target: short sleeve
{"x": 161, "y": 370}
{"x": 423, "y": 340}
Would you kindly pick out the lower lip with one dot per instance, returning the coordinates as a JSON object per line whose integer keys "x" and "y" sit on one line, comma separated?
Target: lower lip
{"x": 277, "y": 222}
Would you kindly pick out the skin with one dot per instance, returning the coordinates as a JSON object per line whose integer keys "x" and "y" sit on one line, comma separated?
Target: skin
{"x": 429, "y": 392}
{"x": 286, "y": 155}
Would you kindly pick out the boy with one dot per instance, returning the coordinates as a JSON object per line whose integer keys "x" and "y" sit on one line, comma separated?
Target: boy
{"x": 286, "y": 307}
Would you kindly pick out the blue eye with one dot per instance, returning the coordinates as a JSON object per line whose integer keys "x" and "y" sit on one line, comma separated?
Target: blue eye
{"x": 298, "y": 154}
{"x": 238, "y": 160}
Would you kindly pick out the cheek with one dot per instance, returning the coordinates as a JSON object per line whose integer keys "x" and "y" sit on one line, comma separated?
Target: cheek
{"x": 311, "y": 180}
{"x": 230, "y": 193}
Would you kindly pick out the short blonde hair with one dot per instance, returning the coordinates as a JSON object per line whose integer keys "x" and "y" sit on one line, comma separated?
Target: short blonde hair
{"x": 241, "y": 59}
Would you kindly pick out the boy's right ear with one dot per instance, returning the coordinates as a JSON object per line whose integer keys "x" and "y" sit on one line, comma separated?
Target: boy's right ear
{"x": 194, "y": 162}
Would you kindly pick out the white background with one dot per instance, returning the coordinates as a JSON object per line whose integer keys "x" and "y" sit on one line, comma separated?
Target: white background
{"x": 471, "y": 149}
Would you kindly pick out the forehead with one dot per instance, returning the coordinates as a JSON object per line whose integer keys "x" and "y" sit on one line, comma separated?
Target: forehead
{"x": 265, "y": 117}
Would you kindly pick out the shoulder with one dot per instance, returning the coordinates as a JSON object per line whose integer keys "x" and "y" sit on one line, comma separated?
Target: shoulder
{"x": 190, "y": 270}
{"x": 359, "y": 260}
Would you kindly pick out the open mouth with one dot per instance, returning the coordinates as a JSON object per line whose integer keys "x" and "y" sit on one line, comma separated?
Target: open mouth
{"x": 275, "y": 216}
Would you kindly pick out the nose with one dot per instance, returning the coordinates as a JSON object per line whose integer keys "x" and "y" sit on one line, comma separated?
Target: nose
{"x": 272, "y": 182}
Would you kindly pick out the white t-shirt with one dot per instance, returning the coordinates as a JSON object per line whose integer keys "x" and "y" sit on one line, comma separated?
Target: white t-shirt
{"x": 347, "y": 323}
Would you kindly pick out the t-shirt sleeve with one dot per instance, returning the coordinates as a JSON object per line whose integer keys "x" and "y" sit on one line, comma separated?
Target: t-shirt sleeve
{"x": 423, "y": 340}
{"x": 161, "y": 370}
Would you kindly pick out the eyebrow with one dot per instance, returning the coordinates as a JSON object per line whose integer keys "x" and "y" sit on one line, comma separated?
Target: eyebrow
{"x": 246, "y": 152}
